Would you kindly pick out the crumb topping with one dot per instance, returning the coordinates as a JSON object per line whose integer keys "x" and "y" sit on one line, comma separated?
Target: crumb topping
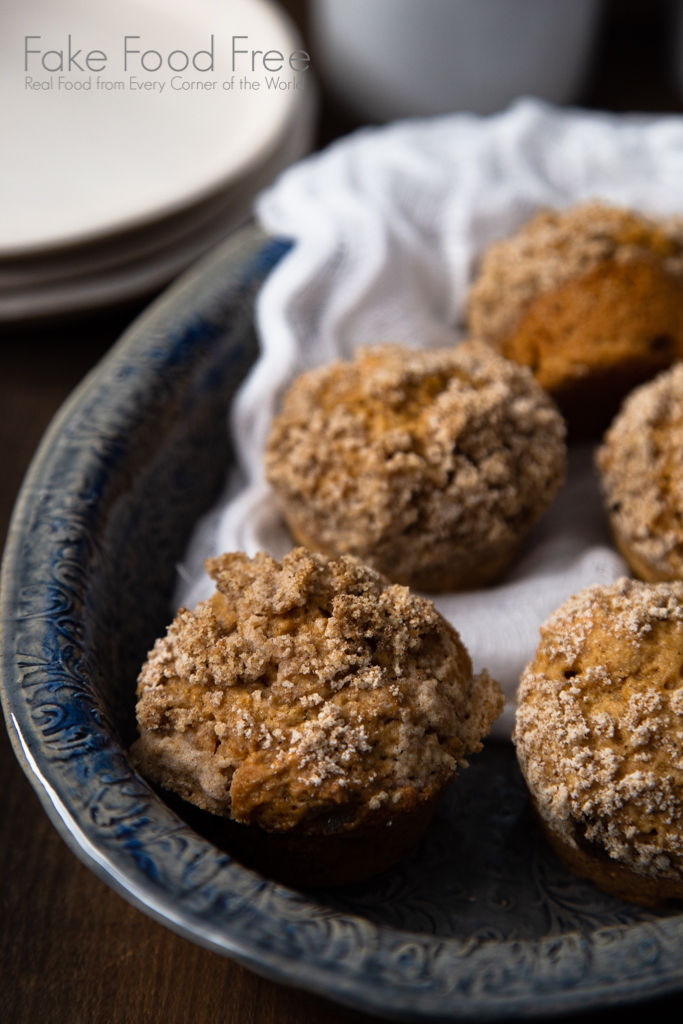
{"x": 309, "y": 687}
{"x": 641, "y": 464}
{"x": 413, "y": 458}
{"x": 557, "y": 246}
{"x": 599, "y": 730}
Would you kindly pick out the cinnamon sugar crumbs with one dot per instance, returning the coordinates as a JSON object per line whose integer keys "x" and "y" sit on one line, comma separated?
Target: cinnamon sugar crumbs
{"x": 306, "y": 686}
{"x": 558, "y": 246}
{"x": 641, "y": 464}
{"x": 599, "y": 733}
{"x": 424, "y": 463}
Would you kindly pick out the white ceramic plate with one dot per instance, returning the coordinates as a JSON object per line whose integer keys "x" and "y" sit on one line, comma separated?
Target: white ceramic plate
{"x": 84, "y": 163}
{"x": 105, "y": 275}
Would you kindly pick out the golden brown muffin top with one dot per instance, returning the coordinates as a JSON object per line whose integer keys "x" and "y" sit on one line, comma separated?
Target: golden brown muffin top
{"x": 306, "y": 688}
{"x": 641, "y": 463}
{"x": 556, "y": 246}
{"x": 388, "y": 455}
{"x": 599, "y": 729}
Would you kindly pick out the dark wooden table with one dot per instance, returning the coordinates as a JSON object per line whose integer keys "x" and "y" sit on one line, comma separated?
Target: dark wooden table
{"x": 71, "y": 951}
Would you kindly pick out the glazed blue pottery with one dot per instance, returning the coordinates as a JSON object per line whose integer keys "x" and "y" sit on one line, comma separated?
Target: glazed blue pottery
{"x": 480, "y": 921}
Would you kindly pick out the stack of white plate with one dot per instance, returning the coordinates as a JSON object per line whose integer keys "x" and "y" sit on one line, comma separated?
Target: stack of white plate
{"x": 117, "y": 176}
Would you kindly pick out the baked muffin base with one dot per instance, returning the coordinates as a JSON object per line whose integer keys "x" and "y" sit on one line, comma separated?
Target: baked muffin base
{"x": 589, "y": 403}
{"x": 591, "y": 862}
{"x": 335, "y": 856}
{"x": 456, "y": 573}
{"x": 597, "y": 336}
{"x": 642, "y": 569}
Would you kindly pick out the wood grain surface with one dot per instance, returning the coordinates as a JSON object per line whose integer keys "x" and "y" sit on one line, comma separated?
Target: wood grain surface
{"x": 72, "y": 951}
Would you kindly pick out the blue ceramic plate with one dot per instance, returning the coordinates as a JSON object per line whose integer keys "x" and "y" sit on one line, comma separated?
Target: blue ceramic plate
{"x": 480, "y": 921}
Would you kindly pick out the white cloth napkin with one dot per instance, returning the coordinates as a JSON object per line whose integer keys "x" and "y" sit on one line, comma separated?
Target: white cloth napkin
{"x": 388, "y": 224}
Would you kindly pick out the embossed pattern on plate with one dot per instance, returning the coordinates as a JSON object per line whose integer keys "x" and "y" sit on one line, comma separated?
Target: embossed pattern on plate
{"x": 483, "y": 872}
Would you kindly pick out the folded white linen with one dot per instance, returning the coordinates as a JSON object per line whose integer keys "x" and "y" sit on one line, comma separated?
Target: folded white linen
{"x": 388, "y": 224}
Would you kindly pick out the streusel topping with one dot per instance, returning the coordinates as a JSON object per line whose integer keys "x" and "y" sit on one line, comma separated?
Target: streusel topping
{"x": 641, "y": 464}
{"x": 557, "y": 246}
{"x": 410, "y": 458}
{"x": 599, "y": 729}
{"x": 305, "y": 687}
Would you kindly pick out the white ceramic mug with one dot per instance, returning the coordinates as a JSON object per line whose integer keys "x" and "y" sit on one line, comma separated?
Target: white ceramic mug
{"x": 396, "y": 58}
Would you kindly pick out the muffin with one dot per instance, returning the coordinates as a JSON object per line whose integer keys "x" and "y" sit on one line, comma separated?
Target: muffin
{"x": 641, "y": 467}
{"x": 323, "y": 709}
{"x": 599, "y": 737}
{"x": 591, "y": 298}
{"x": 429, "y": 465}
